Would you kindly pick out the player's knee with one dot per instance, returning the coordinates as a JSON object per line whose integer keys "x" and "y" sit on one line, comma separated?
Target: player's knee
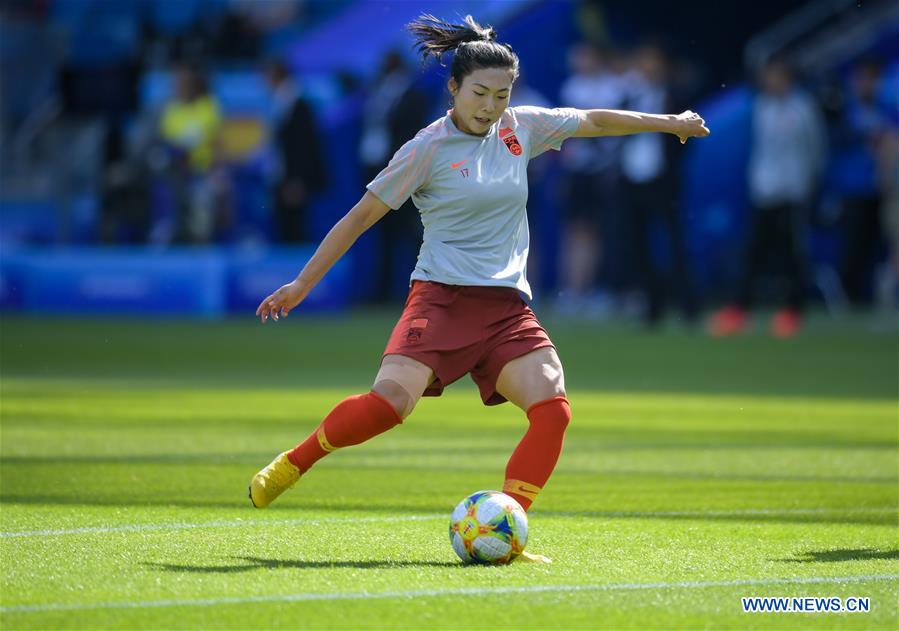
{"x": 557, "y": 390}
{"x": 561, "y": 410}
{"x": 396, "y": 395}
{"x": 553, "y": 377}
{"x": 545, "y": 394}
{"x": 554, "y": 411}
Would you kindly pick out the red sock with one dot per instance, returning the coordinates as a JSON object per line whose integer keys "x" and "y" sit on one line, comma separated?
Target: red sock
{"x": 536, "y": 455}
{"x": 353, "y": 421}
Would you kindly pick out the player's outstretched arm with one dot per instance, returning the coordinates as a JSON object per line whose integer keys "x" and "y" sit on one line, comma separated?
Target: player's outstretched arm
{"x": 338, "y": 240}
{"x": 595, "y": 123}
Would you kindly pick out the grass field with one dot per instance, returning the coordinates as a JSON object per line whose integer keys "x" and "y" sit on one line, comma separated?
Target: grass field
{"x": 695, "y": 472}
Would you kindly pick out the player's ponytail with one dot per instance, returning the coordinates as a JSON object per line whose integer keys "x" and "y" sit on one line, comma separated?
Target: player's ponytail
{"x": 434, "y": 37}
{"x": 474, "y": 46}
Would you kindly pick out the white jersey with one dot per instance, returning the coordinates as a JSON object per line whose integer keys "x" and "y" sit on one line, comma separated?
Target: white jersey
{"x": 472, "y": 193}
{"x": 788, "y": 150}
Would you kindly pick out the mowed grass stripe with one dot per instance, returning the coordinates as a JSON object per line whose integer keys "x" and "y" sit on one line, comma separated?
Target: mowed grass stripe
{"x": 242, "y": 523}
{"x": 237, "y": 523}
{"x": 438, "y": 593}
{"x": 834, "y": 358}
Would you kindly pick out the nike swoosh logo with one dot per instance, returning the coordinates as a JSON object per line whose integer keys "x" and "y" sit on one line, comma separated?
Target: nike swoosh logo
{"x": 456, "y": 165}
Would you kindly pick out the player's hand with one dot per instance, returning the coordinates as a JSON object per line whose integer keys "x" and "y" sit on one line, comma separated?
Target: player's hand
{"x": 281, "y": 302}
{"x": 690, "y": 125}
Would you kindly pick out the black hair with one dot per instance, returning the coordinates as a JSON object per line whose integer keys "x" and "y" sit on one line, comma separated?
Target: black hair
{"x": 782, "y": 62}
{"x": 277, "y": 69}
{"x": 196, "y": 76}
{"x": 474, "y": 47}
{"x": 869, "y": 63}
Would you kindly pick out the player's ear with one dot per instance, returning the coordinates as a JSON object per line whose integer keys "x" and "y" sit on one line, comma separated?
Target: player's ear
{"x": 452, "y": 86}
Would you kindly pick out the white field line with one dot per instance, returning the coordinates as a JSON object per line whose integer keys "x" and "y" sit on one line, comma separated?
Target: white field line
{"x": 243, "y": 523}
{"x": 438, "y": 593}
{"x": 231, "y": 523}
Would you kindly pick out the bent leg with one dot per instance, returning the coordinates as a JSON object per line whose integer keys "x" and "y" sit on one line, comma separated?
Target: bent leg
{"x": 532, "y": 378}
{"x": 535, "y": 383}
{"x": 400, "y": 383}
{"x": 402, "y": 380}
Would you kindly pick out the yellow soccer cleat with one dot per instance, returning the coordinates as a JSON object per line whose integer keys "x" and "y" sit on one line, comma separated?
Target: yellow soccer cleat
{"x": 277, "y": 477}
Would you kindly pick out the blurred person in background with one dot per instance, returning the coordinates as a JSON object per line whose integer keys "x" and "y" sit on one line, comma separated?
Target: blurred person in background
{"x": 125, "y": 211}
{"x": 864, "y": 137}
{"x": 651, "y": 192}
{"x": 591, "y": 181}
{"x": 300, "y": 160}
{"x": 888, "y": 285}
{"x": 236, "y": 36}
{"x": 394, "y": 112}
{"x": 786, "y": 161}
{"x": 189, "y": 128}
{"x": 245, "y": 28}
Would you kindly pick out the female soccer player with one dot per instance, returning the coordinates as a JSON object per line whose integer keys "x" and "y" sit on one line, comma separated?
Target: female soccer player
{"x": 466, "y": 173}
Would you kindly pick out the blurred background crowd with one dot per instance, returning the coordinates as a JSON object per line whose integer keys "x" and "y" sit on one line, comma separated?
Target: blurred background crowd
{"x": 247, "y": 127}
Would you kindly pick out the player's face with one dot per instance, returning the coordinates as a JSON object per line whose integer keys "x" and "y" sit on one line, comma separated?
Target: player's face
{"x": 481, "y": 99}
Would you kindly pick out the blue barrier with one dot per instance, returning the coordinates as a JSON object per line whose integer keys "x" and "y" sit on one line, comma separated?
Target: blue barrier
{"x": 715, "y": 190}
{"x": 28, "y": 220}
{"x": 207, "y": 283}
{"x": 252, "y": 276}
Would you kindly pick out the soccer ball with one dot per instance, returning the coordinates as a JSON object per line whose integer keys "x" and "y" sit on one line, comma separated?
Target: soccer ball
{"x": 488, "y": 527}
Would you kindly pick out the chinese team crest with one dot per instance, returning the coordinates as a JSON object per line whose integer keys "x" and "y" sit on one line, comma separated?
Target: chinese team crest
{"x": 511, "y": 140}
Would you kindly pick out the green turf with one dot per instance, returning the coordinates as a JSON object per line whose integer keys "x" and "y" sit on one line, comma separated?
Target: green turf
{"x": 695, "y": 472}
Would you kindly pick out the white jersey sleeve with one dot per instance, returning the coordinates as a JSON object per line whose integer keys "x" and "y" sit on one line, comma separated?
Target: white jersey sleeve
{"x": 406, "y": 172}
{"x": 546, "y": 128}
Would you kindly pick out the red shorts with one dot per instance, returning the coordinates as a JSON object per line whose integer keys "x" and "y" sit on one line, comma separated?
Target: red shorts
{"x": 456, "y": 329}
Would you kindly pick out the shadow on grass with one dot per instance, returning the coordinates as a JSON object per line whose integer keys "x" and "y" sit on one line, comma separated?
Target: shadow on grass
{"x": 389, "y": 464}
{"x": 877, "y": 515}
{"x": 843, "y": 554}
{"x": 498, "y": 441}
{"x": 254, "y": 563}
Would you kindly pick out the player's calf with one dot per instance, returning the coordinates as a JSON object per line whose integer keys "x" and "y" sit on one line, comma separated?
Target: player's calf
{"x": 536, "y": 455}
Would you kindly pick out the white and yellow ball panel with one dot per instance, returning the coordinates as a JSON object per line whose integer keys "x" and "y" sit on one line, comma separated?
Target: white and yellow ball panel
{"x": 488, "y": 527}
{"x": 492, "y": 549}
